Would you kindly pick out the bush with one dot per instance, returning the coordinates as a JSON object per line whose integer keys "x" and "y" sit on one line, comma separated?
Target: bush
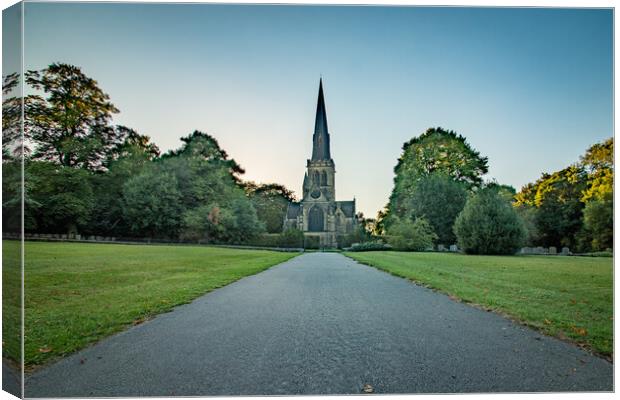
{"x": 598, "y": 218}
{"x": 410, "y": 235}
{"x": 489, "y": 225}
{"x": 291, "y": 238}
{"x": 312, "y": 242}
{"x": 369, "y": 246}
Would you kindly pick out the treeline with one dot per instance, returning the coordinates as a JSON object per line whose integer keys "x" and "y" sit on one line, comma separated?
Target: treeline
{"x": 84, "y": 175}
{"x": 440, "y": 197}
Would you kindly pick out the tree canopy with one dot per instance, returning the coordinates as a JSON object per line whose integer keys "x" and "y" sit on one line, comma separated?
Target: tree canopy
{"x": 574, "y": 206}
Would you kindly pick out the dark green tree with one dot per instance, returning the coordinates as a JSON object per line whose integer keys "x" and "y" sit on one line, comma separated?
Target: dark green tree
{"x": 70, "y": 125}
{"x": 271, "y": 201}
{"x": 61, "y": 198}
{"x": 435, "y": 151}
{"x": 129, "y": 158}
{"x": 488, "y": 224}
{"x": 152, "y": 204}
{"x": 439, "y": 199}
{"x": 559, "y": 216}
{"x": 598, "y": 163}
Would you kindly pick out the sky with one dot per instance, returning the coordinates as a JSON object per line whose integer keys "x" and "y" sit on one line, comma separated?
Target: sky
{"x": 530, "y": 88}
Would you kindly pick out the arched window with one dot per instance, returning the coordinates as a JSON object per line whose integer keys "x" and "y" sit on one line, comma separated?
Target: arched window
{"x": 315, "y": 178}
{"x": 315, "y": 219}
{"x": 324, "y": 178}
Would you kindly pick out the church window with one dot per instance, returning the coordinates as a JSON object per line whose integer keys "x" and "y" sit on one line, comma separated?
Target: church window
{"x": 315, "y": 219}
{"x": 324, "y": 179}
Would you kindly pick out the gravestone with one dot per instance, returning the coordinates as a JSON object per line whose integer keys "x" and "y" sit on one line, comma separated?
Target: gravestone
{"x": 565, "y": 251}
{"x": 440, "y": 247}
{"x": 540, "y": 250}
{"x": 454, "y": 248}
{"x": 553, "y": 250}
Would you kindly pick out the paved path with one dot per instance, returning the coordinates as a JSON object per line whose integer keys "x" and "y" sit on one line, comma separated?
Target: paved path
{"x": 322, "y": 324}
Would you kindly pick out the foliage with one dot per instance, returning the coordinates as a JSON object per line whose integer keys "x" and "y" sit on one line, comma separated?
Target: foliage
{"x": 489, "y": 225}
{"x": 312, "y": 242}
{"x": 561, "y": 296}
{"x": 599, "y": 222}
{"x": 598, "y": 163}
{"x": 556, "y": 199}
{"x": 416, "y": 235}
{"x": 369, "y": 246}
{"x": 439, "y": 199}
{"x": 61, "y": 198}
{"x": 292, "y": 238}
{"x": 152, "y": 204}
{"x": 271, "y": 202}
{"x": 121, "y": 286}
{"x": 572, "y": 207}
{"x": 435, "y": 151}
{"x": 71, "y": 125}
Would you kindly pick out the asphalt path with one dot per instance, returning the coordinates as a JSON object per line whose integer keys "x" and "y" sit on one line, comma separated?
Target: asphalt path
{"x": 322, "y": 324}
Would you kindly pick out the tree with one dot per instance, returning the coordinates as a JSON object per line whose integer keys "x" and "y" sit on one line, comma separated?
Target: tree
{"x": 599, "y": 222}
{"x": 439, "y": 199}
{"x": 152, "y": 204}
{"x": 435, "y": 151}
{"x": 271, "y": 201}
{"x": 71, "y": 126}
{"x": 410, "y": 235}
{"x": 598, "y": 162}
{"x": 60, "y": 198}
{"x": 489, "y": 225}
{"x": 559, "y": 216}
{"x": 129, "y": 158}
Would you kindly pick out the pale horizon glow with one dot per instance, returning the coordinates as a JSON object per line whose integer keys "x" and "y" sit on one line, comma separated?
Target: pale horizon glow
{"x": 530, "y": 89}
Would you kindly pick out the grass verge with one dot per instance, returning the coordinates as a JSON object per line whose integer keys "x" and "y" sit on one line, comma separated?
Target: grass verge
{"x": 78, "y": 293}
{"x": 567, "y": 297}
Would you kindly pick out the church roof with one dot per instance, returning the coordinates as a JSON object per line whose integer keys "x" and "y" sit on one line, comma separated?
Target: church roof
{"x": 320, "y": 139}
{"x": 347, "y": 207}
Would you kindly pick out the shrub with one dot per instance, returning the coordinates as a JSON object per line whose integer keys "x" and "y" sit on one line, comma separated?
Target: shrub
{"x": 291, "y": 238}
{"x": 410, "y": 235}
{"x": 369, "y": 246}
{"x": 489, "y": 225}
{"x": 312, "y": 242}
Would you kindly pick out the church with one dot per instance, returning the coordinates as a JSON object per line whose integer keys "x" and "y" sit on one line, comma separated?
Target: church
{"x": 318, "y": 213}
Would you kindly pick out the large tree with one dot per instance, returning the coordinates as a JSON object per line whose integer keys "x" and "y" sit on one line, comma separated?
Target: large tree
{"x": 598, "y": 163}
{"x": 128, "y": 158}
{"x": 436, "y": 151}
{"x": 271, "y": 201}
{"x": 556, "y": 199}
{"x": 439, "y": 199}
{"x": 152, "y": 204}
{"x": 60, "y": 199}
{"x": 70, "y": 117}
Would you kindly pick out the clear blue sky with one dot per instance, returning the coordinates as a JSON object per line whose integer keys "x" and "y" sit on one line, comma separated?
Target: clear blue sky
{"x": 529, "y": 88}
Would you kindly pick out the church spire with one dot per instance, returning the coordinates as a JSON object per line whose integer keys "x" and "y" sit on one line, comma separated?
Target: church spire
{"x": 320, "y": 139}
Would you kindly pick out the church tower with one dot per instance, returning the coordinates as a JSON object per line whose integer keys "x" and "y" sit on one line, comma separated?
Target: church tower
{"x": 319, "y": 214}
{"x": 319, "y": 180}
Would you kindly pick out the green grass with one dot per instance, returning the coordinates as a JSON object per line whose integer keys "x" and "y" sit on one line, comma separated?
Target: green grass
{"x": 11, "y": 300}
{"x": 567, "y": 297}
{"x": 78, "y": 293}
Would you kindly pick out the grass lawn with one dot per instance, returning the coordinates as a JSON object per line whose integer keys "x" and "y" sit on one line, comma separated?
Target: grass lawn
{"x": 78, "y": 293}
{"x": 566, "y": 297}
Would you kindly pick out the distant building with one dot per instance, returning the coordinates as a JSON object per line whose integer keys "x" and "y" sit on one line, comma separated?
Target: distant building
{"x": 318, "y": 213}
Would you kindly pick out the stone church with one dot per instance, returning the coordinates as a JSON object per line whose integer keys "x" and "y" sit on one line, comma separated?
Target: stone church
{"x": 318, "y": 213}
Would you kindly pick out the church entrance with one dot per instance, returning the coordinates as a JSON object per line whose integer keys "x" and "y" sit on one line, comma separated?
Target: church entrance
{"x": 315, "y": 219}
